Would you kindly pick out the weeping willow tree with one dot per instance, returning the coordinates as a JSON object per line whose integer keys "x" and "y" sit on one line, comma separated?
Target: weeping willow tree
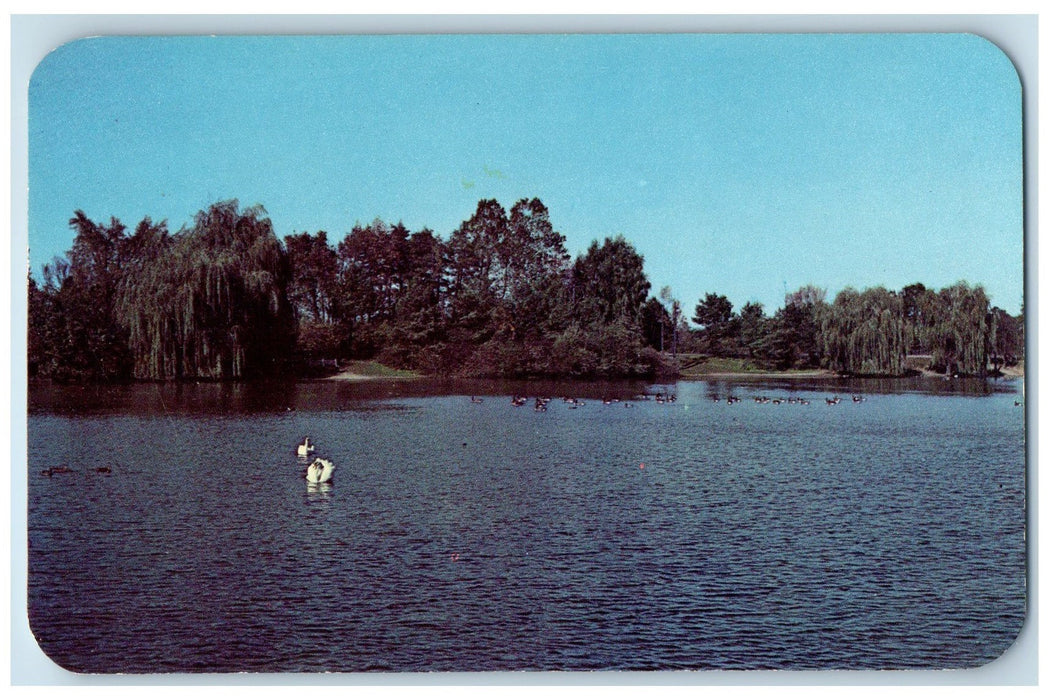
{"x": 960, "y": 330}
{"x": 866, "y": 332}
{"x": 211, "y": 301}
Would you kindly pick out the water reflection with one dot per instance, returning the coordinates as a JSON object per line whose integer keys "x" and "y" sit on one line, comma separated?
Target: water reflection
{"x": 320, "y": 492}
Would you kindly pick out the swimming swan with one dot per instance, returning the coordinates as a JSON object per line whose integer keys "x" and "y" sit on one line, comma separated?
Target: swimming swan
{"x": 305, "y": 448}
{"x": 319, "y": 471}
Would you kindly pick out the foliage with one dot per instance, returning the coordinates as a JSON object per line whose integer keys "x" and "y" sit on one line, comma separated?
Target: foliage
{"x": 753, "y": 327}
{"x": 959, "y": 330}
{"x": 76, "y": 336}
{"x": 717, "y": 321}
{"x": 794, "y": 339}
{"x": 608, "y": 285}
{"x": 866, "y": 332}
{"x": 211, "y": 303}
{"x": 501, "y": 296}
{"x": 311, "y": 289}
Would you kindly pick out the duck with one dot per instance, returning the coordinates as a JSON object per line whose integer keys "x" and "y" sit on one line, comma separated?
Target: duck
{"x": 305, "y": 448}
{"x": 474, "y": 399}
{"x": 319, "y": 471}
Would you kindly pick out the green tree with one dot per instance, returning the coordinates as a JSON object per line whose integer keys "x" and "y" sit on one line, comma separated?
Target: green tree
{"x": 477, "y": 278}
{"x": 753, "y": 328}
{"x": 656, "y": 324}
{"x": 794, "y": 337}
{"x": 418, "y": 337}
{"x": 959, "y": 332}
{"x": 716, "y": 320}
{"x": 213, "y": 304}
{"x": 1007, "y": 346}
{"x": 866, "y": 332}
{"x": 533, "y": 261}
{"x": 608, "y": 284}
{"x": 372, "y": 267}
{"x": 86, "y": 342}
{"x": 673, "y": 306}
{"x": 314, "y": 266}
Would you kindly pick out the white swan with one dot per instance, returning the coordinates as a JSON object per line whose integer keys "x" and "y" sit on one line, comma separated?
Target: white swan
{"x": 319, "y": 471}
{"x": 305, "y": 448}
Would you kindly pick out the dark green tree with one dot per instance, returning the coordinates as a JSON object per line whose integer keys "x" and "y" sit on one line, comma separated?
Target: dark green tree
{"x": 866, "y": 332}
{"x": 717, "y": 322}
{"x": 753, "y": 328}
{"x": 88, "y": 343}
{"x": 477, "y": 278}
{"x": 959, "y": 331}
{"x": 656, "y": 324}
{"x": 1007, "y": 345}
{"x": 608, "y": 284}
{"x": 314, "y": 266}
{"x": 214, "y": 303}
{"x": 794, "y": 339}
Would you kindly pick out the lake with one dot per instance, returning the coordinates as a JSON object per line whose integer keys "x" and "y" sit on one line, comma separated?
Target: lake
{"x": 613, "y": 533}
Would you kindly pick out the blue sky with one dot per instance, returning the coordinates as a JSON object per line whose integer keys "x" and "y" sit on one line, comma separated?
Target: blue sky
{"x": 746, "y": 165}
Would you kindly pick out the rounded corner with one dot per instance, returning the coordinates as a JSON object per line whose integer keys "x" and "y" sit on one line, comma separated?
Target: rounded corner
{"x": 1001, "y": 53}
{"x": 53, "y": 54}
{"x": 1009, "y": 648}
{"x": 35, "y": 639}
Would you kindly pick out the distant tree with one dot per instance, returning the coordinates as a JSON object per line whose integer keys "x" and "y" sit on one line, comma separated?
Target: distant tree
{"x": 753, "y": 328}
{"x": 794, "y": 338}
{"x": 372, "y": 268}
{"x": 919, "y": 310}
{"x": 608, "y": 284}
{"x": 314, "y": 266}
{"x": 43, "y": 331}
{"x": 716, "y": 320}
{"x": 656, "y": 324}
{"x": 866, "y": 332}
{"x": 422, "y": 317}
{"x": 1007, "y": 344}
{"x": 533, "y": 261}
{"x": 89, "y": 344}
{"x": 477, "y": 277}
{"x": 959, "y": 332}
{"x": 213, "y": 304}
{"x": 673, "y": 306}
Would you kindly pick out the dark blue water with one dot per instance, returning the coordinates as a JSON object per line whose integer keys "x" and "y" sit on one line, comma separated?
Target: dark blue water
{"x": 460, "y": 536}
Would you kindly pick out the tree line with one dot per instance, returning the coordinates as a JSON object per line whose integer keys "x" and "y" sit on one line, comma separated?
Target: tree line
{"x": 224, "y": 298}
{"x": 867, "y": 333}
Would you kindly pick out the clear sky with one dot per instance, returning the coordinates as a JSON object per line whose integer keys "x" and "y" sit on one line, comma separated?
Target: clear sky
{"x": 746, "y": 165}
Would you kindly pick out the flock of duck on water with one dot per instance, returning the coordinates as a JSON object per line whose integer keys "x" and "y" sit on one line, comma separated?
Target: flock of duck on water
{"x": 541, "y": 402}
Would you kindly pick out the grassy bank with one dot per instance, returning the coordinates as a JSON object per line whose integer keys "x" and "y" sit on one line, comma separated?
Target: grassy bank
{"x": 700, "y": 366}
{"x": 692, "y": 367}
{"x": 367, "y": 369}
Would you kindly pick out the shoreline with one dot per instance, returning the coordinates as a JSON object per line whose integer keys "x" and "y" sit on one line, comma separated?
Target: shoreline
{"x": 354, "y": 375}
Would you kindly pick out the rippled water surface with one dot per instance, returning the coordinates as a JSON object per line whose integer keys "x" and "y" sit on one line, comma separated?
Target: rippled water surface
{"x": 886, "y": 533}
